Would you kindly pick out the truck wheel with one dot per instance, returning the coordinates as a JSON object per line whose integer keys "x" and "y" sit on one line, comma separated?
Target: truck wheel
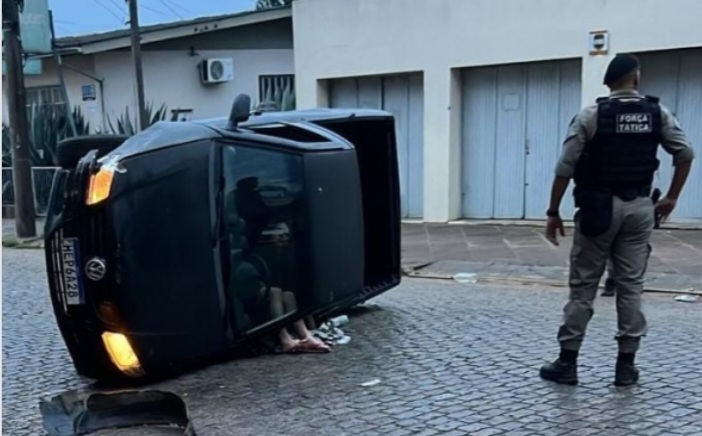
{"x": 72, "y": 150}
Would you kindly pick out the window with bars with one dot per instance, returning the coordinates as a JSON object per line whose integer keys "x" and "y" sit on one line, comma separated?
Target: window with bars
{"x": 279, "y": 89}
{"x": 45, "y": 95}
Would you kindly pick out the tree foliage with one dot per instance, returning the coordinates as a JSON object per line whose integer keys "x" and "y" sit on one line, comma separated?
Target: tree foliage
{"x": 268, "y": 4}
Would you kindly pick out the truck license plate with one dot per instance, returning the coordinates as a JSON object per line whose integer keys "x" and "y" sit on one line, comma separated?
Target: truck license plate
{"x": 70, "y": 260}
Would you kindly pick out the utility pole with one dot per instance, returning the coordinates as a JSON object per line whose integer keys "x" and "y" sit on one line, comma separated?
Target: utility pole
{"x": 142, "y": 120}
{"x": 25, "y": 215}
{"x": 62, "y": 80}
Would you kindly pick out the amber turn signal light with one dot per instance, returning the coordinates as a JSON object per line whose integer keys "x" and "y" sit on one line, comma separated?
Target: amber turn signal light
{"x": 99, "y": 187}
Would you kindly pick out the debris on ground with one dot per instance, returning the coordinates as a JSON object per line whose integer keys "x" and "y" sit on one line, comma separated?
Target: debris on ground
{"x": 330, "y": 332}
{"x": 375, "y": 381}
{"x": 76, "y": 413}
{"x": 466, "y": 278}
{"x": 340, "y": 321}
{"x": 687, "y": 298}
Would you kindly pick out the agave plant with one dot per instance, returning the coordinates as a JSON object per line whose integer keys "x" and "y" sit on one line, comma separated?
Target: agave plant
{"x": 48, "y": 125}
{"x": 125, "y": 123}
{"x": 282, "y": 97}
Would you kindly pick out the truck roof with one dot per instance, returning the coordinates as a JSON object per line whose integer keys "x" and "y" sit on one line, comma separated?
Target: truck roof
{"x": 309, "y": 115}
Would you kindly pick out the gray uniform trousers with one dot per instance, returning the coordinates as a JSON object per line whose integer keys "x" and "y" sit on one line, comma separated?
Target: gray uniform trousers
{"x": 626, "y": 243}
{"x": 610, "y": 265}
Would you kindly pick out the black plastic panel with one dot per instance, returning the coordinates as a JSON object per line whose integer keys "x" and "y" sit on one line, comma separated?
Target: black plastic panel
{"x": 336, "y": 224}
{"x": 376, "y": 153}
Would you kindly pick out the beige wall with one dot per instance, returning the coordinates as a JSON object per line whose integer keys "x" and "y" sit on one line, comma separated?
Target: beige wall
{"x": 74, "y": 81}
{"x": 172, "y": 77}
{"x": 341, "y": 38}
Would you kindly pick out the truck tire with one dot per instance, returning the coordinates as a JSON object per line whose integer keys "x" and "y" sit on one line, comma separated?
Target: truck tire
{"x": 72, "y": 150}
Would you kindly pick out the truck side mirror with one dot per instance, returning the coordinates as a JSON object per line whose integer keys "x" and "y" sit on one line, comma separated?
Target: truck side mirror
{"x": 240, "y": 111}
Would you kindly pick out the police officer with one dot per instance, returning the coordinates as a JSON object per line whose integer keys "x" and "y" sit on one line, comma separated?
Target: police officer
{"x": 610, "y": 152}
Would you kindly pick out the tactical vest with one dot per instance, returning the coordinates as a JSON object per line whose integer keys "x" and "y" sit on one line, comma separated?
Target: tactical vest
{"x": 621, "y": 156}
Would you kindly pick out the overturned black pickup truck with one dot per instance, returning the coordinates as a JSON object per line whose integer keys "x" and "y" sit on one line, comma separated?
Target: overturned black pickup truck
{"x": 162, "y": 248}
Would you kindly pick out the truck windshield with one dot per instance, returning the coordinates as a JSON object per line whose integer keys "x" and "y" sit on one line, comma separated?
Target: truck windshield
{"x": 264, "y": 218}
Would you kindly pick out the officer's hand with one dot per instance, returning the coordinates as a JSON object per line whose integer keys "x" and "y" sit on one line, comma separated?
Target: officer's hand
{"x": 553, "y": 225}
{"x": 665, "y": 207}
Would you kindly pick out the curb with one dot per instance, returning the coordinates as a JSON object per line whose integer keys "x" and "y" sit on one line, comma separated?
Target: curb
{"x": 11, "y": 241}
{"x": 525, "y": 281}
{"x": 569, "y": 224}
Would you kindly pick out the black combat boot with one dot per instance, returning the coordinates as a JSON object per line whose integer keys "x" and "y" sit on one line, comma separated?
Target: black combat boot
{"x": 609, "y": 288}
{"x": 626, "y": 373}
{"x": 564, "y": 370}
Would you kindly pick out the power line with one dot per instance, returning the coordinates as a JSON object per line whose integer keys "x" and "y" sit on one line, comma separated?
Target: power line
{"x": 64, "y": 23}
{"x": 156, "y": 11}
{"x": 111, "y": 12}
{"x": 66, "y": 27}
{"x": 182, "y": 8}
{"x": 108, "y": 8}
{"x": 119, "y": 8}
{"x": 167, "y": 6}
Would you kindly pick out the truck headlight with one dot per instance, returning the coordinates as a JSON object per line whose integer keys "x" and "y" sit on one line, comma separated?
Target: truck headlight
{"x": 122, "y": 354}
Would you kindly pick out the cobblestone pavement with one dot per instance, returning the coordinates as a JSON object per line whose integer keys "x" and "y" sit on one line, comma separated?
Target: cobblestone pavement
{"x": 451, "y": 360}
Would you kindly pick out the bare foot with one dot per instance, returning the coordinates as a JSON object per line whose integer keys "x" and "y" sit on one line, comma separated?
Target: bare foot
{"x": 290, "y": 346}
{"x": 313, "y": 345}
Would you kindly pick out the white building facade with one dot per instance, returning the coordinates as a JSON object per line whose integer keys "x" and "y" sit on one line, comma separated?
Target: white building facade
{"x": 483, "y": 90}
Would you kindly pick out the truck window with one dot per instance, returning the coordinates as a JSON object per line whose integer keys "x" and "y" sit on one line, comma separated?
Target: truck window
{"x": 264, "y": 214}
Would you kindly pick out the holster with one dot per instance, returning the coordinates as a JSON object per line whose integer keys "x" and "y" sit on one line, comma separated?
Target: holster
{"x": 657, "y": 216}
{"x": 595, "y": 212}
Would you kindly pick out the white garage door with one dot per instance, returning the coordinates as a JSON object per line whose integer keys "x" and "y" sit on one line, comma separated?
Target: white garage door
{"x": 514, "y": 121}
{"x": 402, "y": 96}
{"x": 676, "y": 78}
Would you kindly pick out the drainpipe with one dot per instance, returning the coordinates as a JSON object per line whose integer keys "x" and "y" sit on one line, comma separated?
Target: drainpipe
{"x": 100, "y": 82}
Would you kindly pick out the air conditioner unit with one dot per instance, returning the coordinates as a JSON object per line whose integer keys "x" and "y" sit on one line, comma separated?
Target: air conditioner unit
{"x": 217, "y": 70}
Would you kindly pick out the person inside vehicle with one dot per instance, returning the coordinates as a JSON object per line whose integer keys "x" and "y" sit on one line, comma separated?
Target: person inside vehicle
{"x": 259, "y": 304}
{"x": 284, "y": 302}
{"x": 252, "y": 209}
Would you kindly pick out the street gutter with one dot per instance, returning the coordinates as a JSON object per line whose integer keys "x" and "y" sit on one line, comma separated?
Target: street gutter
{"x": 415, "y": 272}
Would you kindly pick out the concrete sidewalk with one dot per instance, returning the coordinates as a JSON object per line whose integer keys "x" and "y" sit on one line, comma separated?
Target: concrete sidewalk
{"x": 10, "y": 240}
{"x": 522, "y": 254}
{"x": 8, "y": 227}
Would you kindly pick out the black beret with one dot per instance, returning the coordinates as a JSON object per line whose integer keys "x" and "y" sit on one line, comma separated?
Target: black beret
{"x": 620, "y": 66}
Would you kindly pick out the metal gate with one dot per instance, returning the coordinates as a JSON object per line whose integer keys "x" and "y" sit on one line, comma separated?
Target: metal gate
{"x": 514, "y": 121}
{"x": 42, "y": 179}
{"x": 402, "y": 96}
{"x": 676, "y": 78}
